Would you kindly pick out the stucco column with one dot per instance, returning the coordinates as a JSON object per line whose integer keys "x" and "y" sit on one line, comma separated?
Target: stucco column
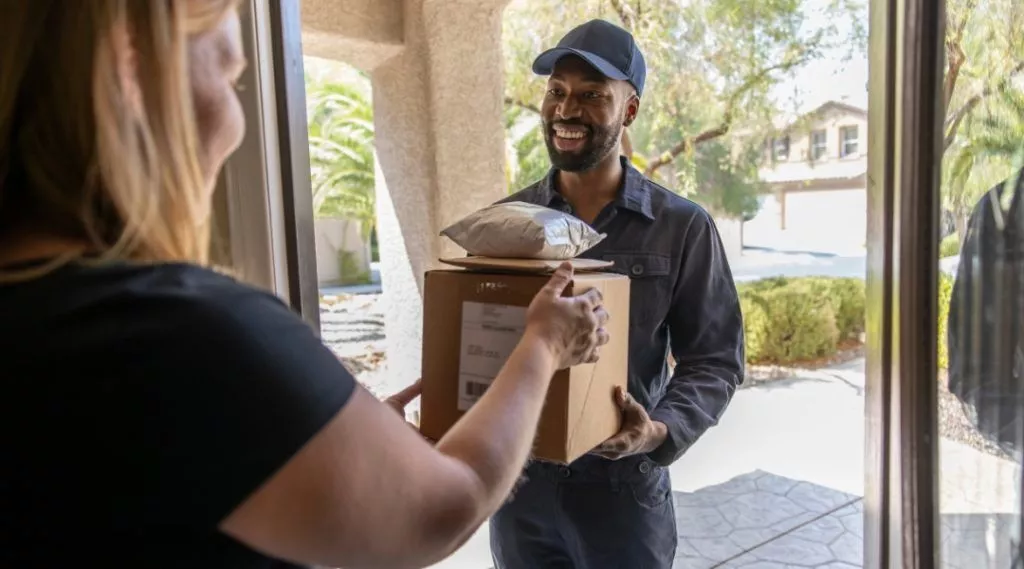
{"x": 440, "y": 144}
{"x": 437, "y": 75}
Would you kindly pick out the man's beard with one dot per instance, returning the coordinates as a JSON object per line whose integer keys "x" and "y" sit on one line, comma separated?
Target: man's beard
{"x": 600, "y": 142}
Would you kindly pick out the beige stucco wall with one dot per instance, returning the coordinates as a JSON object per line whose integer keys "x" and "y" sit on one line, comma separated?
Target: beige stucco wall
{"x": 333, "y": 236}
{"x": 799, "y": 167}
{"x": 440, "y": 140}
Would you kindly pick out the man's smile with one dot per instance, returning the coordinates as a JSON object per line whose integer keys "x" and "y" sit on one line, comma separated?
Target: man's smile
{"x": 569, "y": 137}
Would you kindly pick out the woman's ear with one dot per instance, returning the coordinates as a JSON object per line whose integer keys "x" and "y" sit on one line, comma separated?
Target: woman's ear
{"x": 127, "y": 64}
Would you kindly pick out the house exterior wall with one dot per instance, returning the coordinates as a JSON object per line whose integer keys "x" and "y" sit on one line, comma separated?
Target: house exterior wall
{"x": 335, "y": 239}
{"x": 799, "y": 166}
{"x": 816, "y": 203}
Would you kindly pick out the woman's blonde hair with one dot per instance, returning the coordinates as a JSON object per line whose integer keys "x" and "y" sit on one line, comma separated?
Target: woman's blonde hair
{"x": 97, "y": 146}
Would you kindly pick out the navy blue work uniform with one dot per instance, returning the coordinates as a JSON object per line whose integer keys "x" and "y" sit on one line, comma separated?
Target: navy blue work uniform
{"x": 602, "y": 514}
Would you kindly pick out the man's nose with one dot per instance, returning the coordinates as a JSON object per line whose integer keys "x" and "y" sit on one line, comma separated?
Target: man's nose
{"x": 568, "y": 109}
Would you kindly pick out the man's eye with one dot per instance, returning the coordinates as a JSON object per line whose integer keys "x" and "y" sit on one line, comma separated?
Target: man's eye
{"x": 593, "y": 95}
{"x": 555, "y": 92}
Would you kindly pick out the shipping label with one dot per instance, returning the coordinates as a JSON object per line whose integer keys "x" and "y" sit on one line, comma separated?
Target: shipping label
{"x": 489, "y": 334}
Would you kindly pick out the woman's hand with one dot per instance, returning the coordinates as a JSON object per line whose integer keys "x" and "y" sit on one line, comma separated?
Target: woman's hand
{"x": 404, "y": 397}
{"x": 400, "y": 400}
{"x": 573, "y": 327}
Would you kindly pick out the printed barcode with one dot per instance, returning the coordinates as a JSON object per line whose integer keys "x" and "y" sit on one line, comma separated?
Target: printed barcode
{"x": 474, "y": 389}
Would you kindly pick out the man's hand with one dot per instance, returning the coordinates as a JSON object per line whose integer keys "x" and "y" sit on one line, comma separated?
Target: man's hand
{"x": 639, "y": 434}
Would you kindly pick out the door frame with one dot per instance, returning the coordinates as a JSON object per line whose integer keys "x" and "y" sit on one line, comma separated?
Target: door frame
{"x": 266, "y": 182}
{"x": 904, "y": 172}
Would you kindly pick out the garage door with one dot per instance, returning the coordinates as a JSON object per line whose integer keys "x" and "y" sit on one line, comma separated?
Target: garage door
{"x": 839, "y": 216}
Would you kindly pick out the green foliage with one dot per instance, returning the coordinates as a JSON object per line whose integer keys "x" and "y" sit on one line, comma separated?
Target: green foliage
{"x": 527, "y": 156}
{"x": 848, "y": 298}
{"x": 945, "y": 295}
{"x": 788, "y": 320}
{"x": 788, "y": 324}
{"x": 713, "y": 64}
{"x": 723, "y": 183}
{"x": 950, "y": 246}
{"x": 352, "y": 272}
{"x": 985, "y": 114}
{"x": 791, "y": 320}
{"x": 341, "y": 154}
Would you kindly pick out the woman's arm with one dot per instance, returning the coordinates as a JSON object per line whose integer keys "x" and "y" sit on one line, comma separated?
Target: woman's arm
{"x": 367, "y": 491}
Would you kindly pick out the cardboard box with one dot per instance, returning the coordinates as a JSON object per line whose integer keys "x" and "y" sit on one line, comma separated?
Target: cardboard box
{"x": 472, "y": 319}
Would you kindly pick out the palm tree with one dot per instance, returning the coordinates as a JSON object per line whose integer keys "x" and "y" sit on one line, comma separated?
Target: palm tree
{"x": 991, "y": 148}
{"x": 341, "y": 153}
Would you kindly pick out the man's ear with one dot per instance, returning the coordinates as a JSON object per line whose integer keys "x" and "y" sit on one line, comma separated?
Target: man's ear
{"x": 632, "y": 108}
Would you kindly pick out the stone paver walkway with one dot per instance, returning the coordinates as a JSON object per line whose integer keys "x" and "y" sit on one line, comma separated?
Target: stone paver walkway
{"x": 766, "y": 521}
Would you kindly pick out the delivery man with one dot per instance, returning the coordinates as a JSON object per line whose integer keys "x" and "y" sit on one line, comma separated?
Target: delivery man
{"x": 613, "y": 508}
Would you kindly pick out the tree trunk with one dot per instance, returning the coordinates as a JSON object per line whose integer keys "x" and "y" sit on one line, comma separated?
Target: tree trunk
{"x": 960, "y": 221}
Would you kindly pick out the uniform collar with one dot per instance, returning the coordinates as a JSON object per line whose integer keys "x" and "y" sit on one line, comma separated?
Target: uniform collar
{"x": 635, "y": 194}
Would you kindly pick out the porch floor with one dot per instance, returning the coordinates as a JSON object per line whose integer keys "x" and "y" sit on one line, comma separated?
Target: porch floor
{"x": 765, "y": 521}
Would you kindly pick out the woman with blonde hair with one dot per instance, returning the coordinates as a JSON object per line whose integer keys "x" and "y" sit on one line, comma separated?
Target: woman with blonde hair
{"x": 158, "y": 414}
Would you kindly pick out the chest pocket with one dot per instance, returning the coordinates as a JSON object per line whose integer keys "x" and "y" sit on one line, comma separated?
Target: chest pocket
{"x": 650, "y": 285}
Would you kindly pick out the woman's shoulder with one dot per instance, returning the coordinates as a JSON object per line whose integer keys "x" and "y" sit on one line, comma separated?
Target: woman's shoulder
{"x": 139, "y": 302}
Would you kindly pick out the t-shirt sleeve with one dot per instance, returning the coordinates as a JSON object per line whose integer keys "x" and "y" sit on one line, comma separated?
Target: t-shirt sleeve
{"x": 240, "y": 384}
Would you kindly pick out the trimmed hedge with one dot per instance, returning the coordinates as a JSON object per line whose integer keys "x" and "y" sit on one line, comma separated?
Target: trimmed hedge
{"x": 949, "y": 246}
{"x": 945, "y": 294}
{"x": 789, "y": 320}
{"x": 796, "y": 319}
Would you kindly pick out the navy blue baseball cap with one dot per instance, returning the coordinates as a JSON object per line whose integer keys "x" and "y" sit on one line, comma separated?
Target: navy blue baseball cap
{"x": 606, "y": 47}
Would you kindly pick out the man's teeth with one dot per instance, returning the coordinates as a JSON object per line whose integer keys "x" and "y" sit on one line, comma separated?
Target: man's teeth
{"x": 573, "y": 134}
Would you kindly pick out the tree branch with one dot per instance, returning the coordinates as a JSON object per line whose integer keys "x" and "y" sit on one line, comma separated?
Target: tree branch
{"x": 955, "y": 52}
{"x": 727, "y": 117}
{"x": 954, "y": 121}
{"x": 625, "y": 12}
{"x": 522, "y": 105}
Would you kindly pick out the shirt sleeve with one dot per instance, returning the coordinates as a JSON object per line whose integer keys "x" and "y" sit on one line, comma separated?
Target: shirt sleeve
{"x": 238, "y": 386}
{"x": 706, "y": 335}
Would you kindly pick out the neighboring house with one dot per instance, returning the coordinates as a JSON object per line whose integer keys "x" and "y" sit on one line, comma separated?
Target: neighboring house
{"x": 815, "y": 169}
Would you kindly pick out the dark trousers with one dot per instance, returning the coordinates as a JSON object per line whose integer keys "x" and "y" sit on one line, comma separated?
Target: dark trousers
{"x": 594, "y": 514}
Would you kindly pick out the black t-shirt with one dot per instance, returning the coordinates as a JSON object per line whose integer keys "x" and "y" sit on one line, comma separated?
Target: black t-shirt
{"x": 141, "y": 405}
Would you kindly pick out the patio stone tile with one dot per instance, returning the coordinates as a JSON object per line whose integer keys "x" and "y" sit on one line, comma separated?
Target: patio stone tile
{"x": 792, "y": 550}
{"x": 760, "y": 510}
{"x": 685, "y": 549}
{"x": 749, "y": 538}
{"x": 852, "y": 519}
{"x": 748, "y": 562}
{"x": 688, "y": 562}
{"x": 717, "y": 549}
{"x": 849, "y": 549}
{"x": 703, "y": 522}
{"x": 816, "y": 498}
{"x": 763, "y": 520}
{"x": 823, "y": 530}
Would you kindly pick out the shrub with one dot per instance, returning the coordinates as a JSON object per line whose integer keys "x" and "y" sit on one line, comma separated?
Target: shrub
{"x": 950, "y": 246}
{"x": 787, "y": 320}
{"x": 945, "y": 295}
{"x": 848, "y": 299}
{"x": 787, "y": 323}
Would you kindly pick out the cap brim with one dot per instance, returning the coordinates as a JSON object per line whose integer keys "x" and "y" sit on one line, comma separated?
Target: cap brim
{"x": 545, "y": 62}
